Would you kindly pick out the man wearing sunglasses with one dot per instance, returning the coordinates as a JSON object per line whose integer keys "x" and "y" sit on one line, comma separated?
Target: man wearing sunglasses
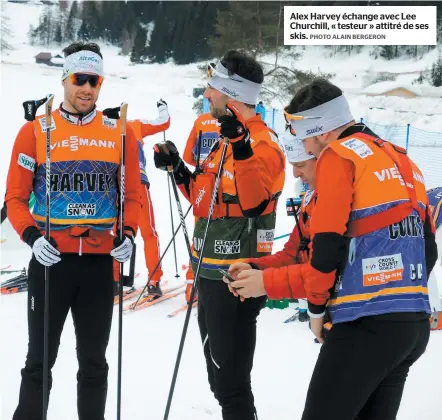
{"x": 85, "y": 174}
{"x": 241, "y": 227}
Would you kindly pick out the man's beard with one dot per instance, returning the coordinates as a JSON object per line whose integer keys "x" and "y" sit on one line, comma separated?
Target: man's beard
{"x": 217, "y": 112}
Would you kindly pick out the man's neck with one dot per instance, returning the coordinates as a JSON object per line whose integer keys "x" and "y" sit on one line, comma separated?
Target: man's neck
{"x": 75, "y": 117}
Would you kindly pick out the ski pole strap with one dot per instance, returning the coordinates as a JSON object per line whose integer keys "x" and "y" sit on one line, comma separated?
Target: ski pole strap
{"x": 31, "y": 107}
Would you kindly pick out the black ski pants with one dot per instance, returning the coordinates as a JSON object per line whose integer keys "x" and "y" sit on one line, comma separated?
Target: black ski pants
{"x": 228, "y": 332}
{"x": 84, "y": 284}
{"x": 362, "y": 367}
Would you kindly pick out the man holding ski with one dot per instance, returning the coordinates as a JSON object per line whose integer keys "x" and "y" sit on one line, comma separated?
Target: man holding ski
{"x": 85, "y": 164}
{"x": 241, "y": 226}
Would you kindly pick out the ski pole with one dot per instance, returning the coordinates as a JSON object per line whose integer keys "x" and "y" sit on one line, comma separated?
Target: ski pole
{"x": 48, "y": 106}
{"x": 194, "y": 286}
{"x": 178, "y": 203}
{"x": 123, "y": 117}
{"x": 171, "y": 219}
{"x": 120, "y": 113}
{"x": 161, "y": 258}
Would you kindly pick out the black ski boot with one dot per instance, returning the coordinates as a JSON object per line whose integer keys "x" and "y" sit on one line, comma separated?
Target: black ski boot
{"x": 154, "y": 290}
{"x": 303, "y": 316}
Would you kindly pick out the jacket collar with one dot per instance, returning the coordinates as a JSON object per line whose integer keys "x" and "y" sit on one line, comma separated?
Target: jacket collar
{"x": 78, "y": 119}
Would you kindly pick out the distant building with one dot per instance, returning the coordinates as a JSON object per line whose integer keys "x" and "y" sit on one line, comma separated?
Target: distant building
{"x": 49, "y": 60}
{"x": 402, "y": 90}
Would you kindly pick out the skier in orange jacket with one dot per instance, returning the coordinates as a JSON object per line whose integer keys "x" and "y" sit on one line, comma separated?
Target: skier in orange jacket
{"x": 85, "y": 164}
{"x": 142, "y": 129}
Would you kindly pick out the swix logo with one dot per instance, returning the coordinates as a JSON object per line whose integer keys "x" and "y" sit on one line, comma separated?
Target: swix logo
{"x": 311, "y": 131}
{"x": 197, "y": 244}
{"x": 410, "y": 226}
{"x": 32, "y": 303}
{"x": 75, "y": 142}
{"x": 82, "y": 209}
{"x": 200, "y": 196}
{"x": 229, "y": 92}
{"x": 227, "y": 247}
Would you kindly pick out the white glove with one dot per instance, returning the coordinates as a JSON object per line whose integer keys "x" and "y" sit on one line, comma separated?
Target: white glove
{"x": 162, "y": 107}
{"x": 45, "y": 253}
{"x": 123, "y": 252}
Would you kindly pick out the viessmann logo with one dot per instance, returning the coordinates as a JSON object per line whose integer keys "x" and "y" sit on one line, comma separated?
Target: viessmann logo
{"x": 75, "y": 142}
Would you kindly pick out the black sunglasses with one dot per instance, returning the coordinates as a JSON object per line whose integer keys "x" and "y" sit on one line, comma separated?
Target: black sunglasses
{"x": 80, "y": 79}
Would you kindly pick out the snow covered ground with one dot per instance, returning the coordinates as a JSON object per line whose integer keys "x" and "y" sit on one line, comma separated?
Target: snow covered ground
{"x": 285, "y": 354}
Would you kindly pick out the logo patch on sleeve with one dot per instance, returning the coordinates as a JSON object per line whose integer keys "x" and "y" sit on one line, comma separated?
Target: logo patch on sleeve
{"x": 26, "y": 162}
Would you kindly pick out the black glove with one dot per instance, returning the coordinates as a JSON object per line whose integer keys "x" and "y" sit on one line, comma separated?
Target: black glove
{"x": 166, "y": 154}
{"x": 161, "y": 103}
{"x": 233, "y": 126}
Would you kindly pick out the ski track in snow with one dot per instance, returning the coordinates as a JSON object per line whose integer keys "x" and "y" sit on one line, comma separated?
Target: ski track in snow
{"x": 285, "y": 354}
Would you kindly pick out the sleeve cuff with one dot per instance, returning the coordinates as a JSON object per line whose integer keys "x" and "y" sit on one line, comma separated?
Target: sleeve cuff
{"x": 242, "y": 149}
{"x": 316, "y": 311}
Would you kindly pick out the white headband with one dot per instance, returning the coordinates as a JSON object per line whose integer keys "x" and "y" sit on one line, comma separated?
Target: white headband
{"x": 294, "y": 149}
{"x": 83, "y": 62}
{"x": 322, "y": 118}
{"x": 235, "y": 86}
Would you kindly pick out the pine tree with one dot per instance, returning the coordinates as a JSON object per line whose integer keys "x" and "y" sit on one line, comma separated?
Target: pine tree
{"x": 90, "y": 25}
{"x": 73, "y": 23}
{"x": 387, "y": 51}
{"x": 5, "y": 31}
{"x": 250, "y": 26}
{"x": 436, "y": 73}
{"x": 43, "y": 34}
{"x": 159, "y": 48}
{"x": 138, "y": 49}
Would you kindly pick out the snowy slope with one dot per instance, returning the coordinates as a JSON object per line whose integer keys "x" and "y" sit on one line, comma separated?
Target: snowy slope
{"x": 285, "y": 352}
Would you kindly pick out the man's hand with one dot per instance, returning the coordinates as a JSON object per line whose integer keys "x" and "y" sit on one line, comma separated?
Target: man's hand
{"x": 234, "y": 270}
{"x": 316, "y": 325}
{"x": 166, "y": 154}
{"x": 233, "y": 126}
{"x": 249, "y": 283}
{"x": 122, "y": 250}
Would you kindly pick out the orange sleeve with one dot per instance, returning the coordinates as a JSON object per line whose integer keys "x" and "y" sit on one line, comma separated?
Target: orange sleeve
{"x": 19, "y": 183}
{"x": 261, "y": 169}
{"x": 150, "y": 127}
{"x": 188, "y": 156}
{"x": 334, "y": 188}
{"x": 284, "y": 282}
{"x": 132, "y": 203}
